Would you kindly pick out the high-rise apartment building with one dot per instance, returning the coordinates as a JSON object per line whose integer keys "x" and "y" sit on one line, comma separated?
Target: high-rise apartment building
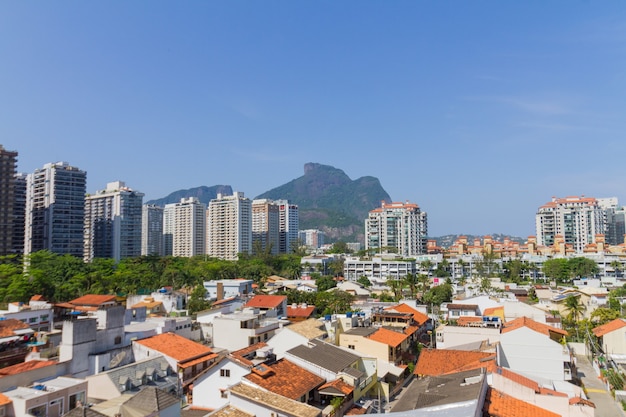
{"x": 311, "y": 238}
{"x": 55, "y": 209}
{"x": 576, "y": 219}
{"x": 265, "y": 226}
{"x": 189, "y": 224}
{"x": 19, "y": 213}
{"x": 400, "y": 227}
{"x": 229, "y": 224}
{"x": 289, "y": 225}
{"x": 169, "y": 212}
{"x": 8, "y": 167}
{"x": 613, "y": 219}
{"x": 113, "y": 223}
{"x": 152, "y": 230}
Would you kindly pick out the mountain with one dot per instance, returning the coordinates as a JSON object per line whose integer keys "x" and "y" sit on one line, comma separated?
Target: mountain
{"x": 329, "y": 200}
{"x": 204, "y": 194}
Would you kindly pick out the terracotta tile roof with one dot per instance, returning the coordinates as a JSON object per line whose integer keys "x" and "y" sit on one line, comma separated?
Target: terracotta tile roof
{"x": 8, "y": 327}
{"x": 266, "y": 301}
{"x": 92, "y": 300}
{"x": 25, "y": 367}
{"x": 269, "y": 399}
{"x": 355, "y": 411}
{"x": 339, "y": 385}
{"x": 609, "y": 327}
{"x": 533, "y": 325}
{"x": 418, "y": 316}
{"x": 462, "y": 307}
{"x": 409, "y": 330}
{"x": 37, "y": 297}
{"x": 229, "y": 411}
{"x": 222, "y": 301}
{"x": 467, "y": 320}
{"x": 241, "y": 354}
{"x": 300, "y": 311}
{"x": 147, "y": 304}
{"x": 493, "y": 311}
{"x": 498, "y": 404}
{"x": 435, "y": 362}
{"x": 388, "y": 337}
{"x": 527, "y": 382}
{"x": 177, "y": 347}
{"x": 4, "y": 400}
{"x": 581, "y": 401}
{"x": 285, "y": 378}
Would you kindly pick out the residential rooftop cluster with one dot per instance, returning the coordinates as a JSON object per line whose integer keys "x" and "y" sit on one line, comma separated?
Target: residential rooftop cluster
{"x": 255, "y": 354}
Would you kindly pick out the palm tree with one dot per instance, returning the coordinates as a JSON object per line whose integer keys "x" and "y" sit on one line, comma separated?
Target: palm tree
{"x": 396, "y": 286}
{"x": 427, "y": 265}
{"x": 574, "y": 308}
{"x": 412, "y": 281}
{"x": 617, "y": 267}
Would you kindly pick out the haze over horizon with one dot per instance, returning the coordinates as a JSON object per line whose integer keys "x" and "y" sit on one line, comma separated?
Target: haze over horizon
{"x": 479, "y": 112}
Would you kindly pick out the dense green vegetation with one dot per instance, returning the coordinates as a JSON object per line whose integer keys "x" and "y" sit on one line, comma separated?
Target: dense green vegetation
{"x": 63, "y": 277}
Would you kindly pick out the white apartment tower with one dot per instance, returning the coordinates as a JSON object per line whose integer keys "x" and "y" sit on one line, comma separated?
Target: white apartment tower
{"x": 289, "y": 225}
{"x": 229, "y": 226}
{"x": 576, "y": 219}
{"x": 55, "y": 209}
{"x": 189, "y": 227}
{"x": 113, "y": 223}
{"x": 152, "y": 230}
{"x": 168, "y": 228}
{"x": 265, "y": 225}
{"x": 402, "y": 226}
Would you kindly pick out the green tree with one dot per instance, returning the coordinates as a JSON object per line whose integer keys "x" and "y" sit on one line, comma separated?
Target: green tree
{"x": 438, "y": 295}
{"x": 412, "y": 281}
{"x": 556, "y": 269}
{"x": 603, "y": 315}
{"x": 364, "y": 281}
{"x": 197, "y": 300}
{"x": 617, "y": 268}
{"x": 574, "y": 308}
{"x": 339, "y": 247}
{"x": 582, "y": 267}
{"x": 396, "y": 286}
{"x": 325, "y": 283}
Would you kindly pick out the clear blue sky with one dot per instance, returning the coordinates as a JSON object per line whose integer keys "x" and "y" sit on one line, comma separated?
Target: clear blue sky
{"x": 478, "y": 111}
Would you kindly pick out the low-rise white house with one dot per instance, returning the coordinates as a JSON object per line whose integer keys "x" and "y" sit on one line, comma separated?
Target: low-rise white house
{"x": 210, "y": 390}
{"x": 240, "y": 329}
{"x": 612, "y": 337}
{"x": 534, "y": 348}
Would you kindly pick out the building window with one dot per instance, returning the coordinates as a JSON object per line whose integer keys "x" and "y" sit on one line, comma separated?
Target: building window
{"x": 39, "y": 411}
{"x": 225, "y": 373}
{"x": 32, "y": 320}
{"x": 77, "y": 400}
{"x": 224, "y": 393}
{"x": 118, "y": 340}
{"x": 351, "y": 347}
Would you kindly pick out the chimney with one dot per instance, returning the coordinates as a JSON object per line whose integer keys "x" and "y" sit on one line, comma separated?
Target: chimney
{"x": 220, "y": 291}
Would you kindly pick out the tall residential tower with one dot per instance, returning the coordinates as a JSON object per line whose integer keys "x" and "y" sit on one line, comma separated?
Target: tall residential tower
{"x": 113, "y": 223}
{"x": 55, "y": 209}
{"x": 229, "y": 224}
{"x": 401, "y": 227}
{"x": 8, "y": 164}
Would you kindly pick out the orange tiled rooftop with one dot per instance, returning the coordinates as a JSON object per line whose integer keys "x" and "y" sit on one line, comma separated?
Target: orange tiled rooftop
{"x": 418, "y": 316}
{"x": 266, "y": 301}
{"x": 388, "y": 337}
{"x": 498, "y": 404}
{"x": 608, "y": 327}
{"x": 533, "y": 325}
{"x": 177, "y": 347}
{"x": 285, "y": 378}
{"x": 434, "y": 362}
{"x": 93, "y": 299}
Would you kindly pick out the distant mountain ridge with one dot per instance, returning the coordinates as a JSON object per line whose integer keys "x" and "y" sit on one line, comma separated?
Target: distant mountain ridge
{"x": 330, "y": 201}
{"x": 327, "y": 199}
{"x": 203, "y": 193}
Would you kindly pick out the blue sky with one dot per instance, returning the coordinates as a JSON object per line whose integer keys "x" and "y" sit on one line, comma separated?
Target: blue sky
{"x": 478, "y": 111}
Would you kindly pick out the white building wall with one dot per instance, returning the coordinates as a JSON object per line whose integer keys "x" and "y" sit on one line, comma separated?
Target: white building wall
{"x": 529, "y": 352}
{"x": 207, "y": 390}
